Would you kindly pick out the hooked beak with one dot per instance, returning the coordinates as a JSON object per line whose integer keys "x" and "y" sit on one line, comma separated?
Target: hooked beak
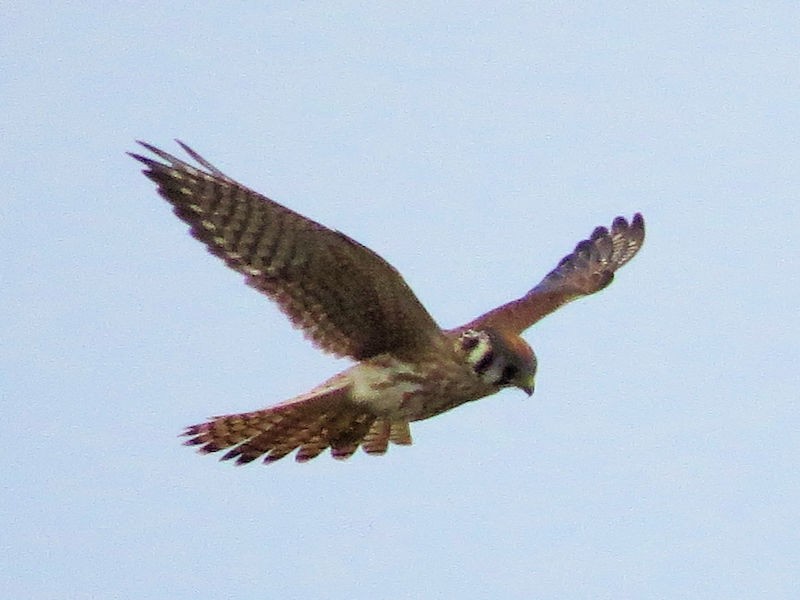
{"x": 527, "y": 386}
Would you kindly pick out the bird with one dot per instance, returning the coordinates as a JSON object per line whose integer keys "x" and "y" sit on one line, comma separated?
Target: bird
{"x": 350, "y": 302}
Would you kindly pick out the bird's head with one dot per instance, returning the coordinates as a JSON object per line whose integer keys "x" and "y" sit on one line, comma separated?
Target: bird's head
{"x": 500, "y": 359}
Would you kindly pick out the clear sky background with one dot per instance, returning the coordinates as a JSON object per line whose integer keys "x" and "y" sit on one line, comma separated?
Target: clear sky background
{"x": 472, "y": 147}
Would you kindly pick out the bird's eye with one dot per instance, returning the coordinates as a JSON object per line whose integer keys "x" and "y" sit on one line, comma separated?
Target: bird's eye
{"x": 509, "y": 372}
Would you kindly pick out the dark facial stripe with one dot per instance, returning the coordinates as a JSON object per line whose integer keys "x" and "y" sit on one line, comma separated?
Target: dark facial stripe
{"x": 484, "y": 362}
{"x": 508, "y": 374}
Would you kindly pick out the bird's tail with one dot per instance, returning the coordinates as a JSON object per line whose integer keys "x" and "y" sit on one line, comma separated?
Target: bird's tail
{"x": 310, "y": 423}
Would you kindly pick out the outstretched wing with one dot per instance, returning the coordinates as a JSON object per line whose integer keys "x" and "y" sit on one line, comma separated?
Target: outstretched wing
{"x": 347, "y": 299}
{"x": 589, "y": 269}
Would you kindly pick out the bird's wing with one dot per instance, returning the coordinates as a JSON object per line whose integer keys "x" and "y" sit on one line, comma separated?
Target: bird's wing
{"x": 588, "y": 269}
{"x": 347, "y": 299}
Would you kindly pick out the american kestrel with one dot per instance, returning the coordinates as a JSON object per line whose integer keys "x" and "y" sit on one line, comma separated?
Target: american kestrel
{"x": 351, "y": 302}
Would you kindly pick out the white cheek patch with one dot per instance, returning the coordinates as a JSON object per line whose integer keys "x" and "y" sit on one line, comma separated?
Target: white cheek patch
{"x": 494, "y": 374}
{"x": 481, "y": 356}
{"x": 479, "y": 351}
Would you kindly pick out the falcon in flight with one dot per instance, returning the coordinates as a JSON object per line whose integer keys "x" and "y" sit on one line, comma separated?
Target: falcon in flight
{"x": 351, "y": 302}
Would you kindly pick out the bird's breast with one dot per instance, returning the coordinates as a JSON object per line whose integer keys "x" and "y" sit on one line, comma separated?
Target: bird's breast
{"x": 414, "y": 391}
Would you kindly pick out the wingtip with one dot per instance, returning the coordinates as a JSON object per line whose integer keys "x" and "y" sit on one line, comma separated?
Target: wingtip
{"x": 148, "y": 147}
{"x": 601, "y": 231}
{"x": 139, "y": 157}
{"x": 636, "y": 224}
{"x": 619, "y": 223}
{"x": 183, "y": 145}
{"x": 638, "y": 221}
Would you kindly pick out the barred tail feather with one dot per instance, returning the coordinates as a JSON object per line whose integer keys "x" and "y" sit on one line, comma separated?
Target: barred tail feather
{"x": 384, "y": 431}
{"x": 309, "y": 424}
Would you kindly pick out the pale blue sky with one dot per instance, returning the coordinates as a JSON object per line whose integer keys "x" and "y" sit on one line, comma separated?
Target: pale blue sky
{"x": 472, "y": 147}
